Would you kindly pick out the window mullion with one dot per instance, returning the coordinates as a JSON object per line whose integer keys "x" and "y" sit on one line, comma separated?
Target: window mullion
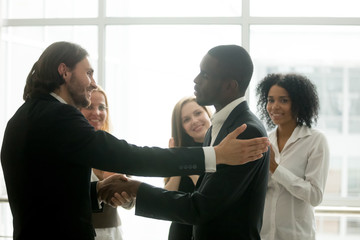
{"x": 101, "y": 43}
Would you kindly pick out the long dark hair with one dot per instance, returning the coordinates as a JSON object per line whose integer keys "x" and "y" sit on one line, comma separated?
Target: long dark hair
{"x": 44, "y": 76}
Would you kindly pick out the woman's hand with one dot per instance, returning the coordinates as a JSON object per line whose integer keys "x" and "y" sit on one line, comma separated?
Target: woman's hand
{"x": 171, "y": 142}
{"x": 273, "y": 163}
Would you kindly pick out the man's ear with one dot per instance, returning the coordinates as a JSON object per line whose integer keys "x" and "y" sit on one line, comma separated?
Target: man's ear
{"x": 63, "y": 71}
{"x": 232, "y": 84}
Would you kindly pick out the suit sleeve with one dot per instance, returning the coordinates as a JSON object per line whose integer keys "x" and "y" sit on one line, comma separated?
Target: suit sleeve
{"x": 95, "y": 205}
{"x": 219, "y": 192}
{"x": 78, "y": 142}
{"x": 223, "y": 189}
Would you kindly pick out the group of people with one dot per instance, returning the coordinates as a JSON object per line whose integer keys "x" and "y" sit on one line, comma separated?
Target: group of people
{"x": 224, "y": 178}
{"x": 299, "y": 155}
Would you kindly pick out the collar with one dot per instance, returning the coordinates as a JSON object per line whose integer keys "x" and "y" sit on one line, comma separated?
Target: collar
{"x": 223, "y": 114}
{"x": 299, "y": 132}
{"x": 60, "y": 99}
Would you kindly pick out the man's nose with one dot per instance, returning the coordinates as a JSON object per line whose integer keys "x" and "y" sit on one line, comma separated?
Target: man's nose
{"x": 196, "y": 79}
{"x": 93, "y": 84}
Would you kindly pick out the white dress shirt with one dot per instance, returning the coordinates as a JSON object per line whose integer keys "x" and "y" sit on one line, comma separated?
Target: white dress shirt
{"x": 219, "y": 118}
{"x": 296, "y": 186}
{"x": 60, "y": 99}
{"x": 209, "y": 152}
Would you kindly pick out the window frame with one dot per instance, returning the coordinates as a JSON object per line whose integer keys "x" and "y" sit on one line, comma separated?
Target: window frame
{"x": 245, "y": 20}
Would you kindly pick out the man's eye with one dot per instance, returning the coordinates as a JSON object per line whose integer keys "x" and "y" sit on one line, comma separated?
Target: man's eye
{"x": 205, "y": 75}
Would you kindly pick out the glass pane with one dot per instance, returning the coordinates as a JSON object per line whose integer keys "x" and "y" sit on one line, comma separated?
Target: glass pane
{"x": 354, "y": 177}
{"x": 330, "y": 57}
{"x": 22, "y": 46}
{"x": 165, "y": 8}
{"x": 148, "y": 69}
{"x": 50, "y": 8}
{"x": 337, "y": 226}
{"x": 327, "y": 226}
{"x": 305, "y": 8}
{"x": 6, "y": 227}
{"x": 152, "y": 67}
{"x": 354, "y": 100}
{"x": 334, "y": 182}
{"x": 353, "y": 226}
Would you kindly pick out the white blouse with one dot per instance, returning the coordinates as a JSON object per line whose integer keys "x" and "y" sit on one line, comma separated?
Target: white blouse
{"x": 296, "y": 186}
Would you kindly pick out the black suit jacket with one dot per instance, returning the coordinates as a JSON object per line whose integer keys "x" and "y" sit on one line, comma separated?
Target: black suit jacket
{"x": 47, "y": 153}
{"x": 229, "y": 203}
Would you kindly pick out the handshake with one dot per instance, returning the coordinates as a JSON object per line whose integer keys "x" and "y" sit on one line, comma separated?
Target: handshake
{"x": 117, "y": 190}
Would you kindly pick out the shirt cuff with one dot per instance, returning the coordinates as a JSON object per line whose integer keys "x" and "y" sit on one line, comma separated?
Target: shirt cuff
{"x": 282, "y": 176}
{"x": 210, "y": 159}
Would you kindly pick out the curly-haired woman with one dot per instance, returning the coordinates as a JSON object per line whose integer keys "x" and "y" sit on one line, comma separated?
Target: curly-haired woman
{"x": 299, "y": 158}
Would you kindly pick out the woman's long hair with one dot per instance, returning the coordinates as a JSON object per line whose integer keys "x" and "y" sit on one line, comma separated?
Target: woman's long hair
{"x": 181, "y": 138}
{"x": 107, "y": 124}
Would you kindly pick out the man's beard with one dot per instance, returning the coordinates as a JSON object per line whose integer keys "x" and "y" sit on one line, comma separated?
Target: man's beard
{"x": 80, "y": 100}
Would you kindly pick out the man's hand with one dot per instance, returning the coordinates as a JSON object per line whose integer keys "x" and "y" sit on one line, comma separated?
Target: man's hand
{"x": 123, "y": 200}
{"x": 232, "y": 151}
{"x": 101, "y": 175}
{"x": 125, "y": 187}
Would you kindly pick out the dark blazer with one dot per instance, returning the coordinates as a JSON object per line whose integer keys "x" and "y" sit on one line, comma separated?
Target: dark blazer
{"x": 227, "y": 204}
{"x": 47, "y": 153}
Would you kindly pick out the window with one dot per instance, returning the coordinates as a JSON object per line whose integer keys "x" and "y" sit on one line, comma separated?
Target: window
{"x": 147, "y": 53}
{"x": 304, "y": 8}
{"x": 38, "y": 9}
{"x": 315, "y": 51}
{"x": 162, "y": 62}
{"x": 164, "y": 8}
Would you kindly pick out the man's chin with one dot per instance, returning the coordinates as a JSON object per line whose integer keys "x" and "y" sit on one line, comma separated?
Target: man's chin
{"x": 83, "y": 103}
{"x": 201, "y": 102}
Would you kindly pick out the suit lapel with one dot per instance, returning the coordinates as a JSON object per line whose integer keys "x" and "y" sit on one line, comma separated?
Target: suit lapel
{"x": 224, "y": 131}
{"x": 227, "y": 126}
{"x": 207, "y": 139}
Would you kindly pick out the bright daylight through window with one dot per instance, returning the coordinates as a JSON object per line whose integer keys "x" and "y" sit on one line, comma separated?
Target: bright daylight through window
{"x": 147, "y": 57}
